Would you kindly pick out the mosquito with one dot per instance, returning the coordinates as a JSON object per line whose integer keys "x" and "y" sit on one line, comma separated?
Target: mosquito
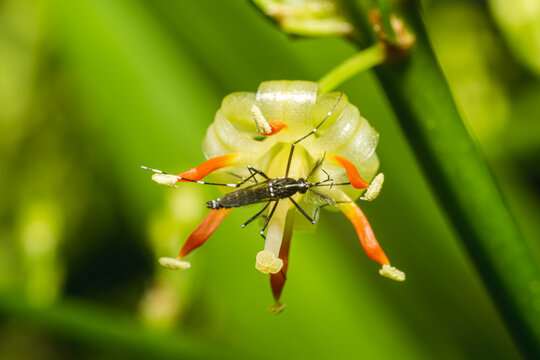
{"x": 273, "y": 190}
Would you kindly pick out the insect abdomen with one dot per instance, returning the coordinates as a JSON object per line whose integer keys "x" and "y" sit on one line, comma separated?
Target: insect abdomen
{"x": 242, "y": 197}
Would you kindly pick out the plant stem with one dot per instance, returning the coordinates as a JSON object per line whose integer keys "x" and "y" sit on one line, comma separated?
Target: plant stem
{"x": 384, "y": 8}
{"x": 461, "y": 178}
{"x": 364, "y": 60}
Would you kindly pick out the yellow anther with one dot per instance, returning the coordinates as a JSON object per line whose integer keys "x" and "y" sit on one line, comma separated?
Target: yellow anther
{"x": 263, "y": 127}
{"x": 165, "y": 179}
{"x": 276, "y": 308}
{"x": 268, "y": 263}
{"x": 174, "y": 264}
{"x": 374, "y": 188}
{"x": 392, "y": 273}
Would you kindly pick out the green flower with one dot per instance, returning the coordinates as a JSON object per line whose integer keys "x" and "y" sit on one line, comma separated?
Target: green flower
{"x": 252, "y": 134}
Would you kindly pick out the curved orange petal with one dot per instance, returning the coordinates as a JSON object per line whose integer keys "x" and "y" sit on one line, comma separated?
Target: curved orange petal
{"x": 364, "y": 231}
{"x": 206, "y": 228}
{"x": 354, "y": 177}
{"x": 200, "y": 171}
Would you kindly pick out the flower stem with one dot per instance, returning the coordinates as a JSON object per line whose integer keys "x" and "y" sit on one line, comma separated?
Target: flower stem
{"x": 385, "y": 11}
{"x": 461, "y": 178}
{"x": 364, "y": 60}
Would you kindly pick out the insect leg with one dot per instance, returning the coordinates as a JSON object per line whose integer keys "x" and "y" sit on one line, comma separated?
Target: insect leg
{"x": 188, "y": 180}
{"x": 254, "y": 171}
{"x": 211, "y": 183}
{"x": 323, "y": 205}
{"x": 268, "y": 219}
{"x": 310, "y": 133}
{"x": 302, "y": 211}
{"x": 256, "y": 215}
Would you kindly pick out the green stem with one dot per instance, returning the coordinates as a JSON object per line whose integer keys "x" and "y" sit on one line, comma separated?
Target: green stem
{"x": 364, "y": 60}
{"x": 108, "y": 330}
{"x": 461, "y": 178}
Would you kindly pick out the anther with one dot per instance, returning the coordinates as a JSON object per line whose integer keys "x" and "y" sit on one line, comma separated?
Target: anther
{"x": 173, "y": 264}
{"x": 268, "y": 263}
{"x": 165, "y": 179}
{"x": 263, "y": 127}
{"x": 392, "y": 273}
{"x": 276, "y": 308}
{"x": 374, "y": 188}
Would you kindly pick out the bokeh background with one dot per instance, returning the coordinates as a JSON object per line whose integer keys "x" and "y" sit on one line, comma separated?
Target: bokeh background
{"x": 92, "y": 89}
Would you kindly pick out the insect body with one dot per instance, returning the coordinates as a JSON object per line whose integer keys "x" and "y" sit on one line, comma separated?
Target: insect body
{"x": 269, "y": 190}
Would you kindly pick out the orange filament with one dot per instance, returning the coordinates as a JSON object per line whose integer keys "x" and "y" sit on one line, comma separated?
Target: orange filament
{"x": 277, "y": 281}
{"x": 276, "y": 127}
{"x": 354, "y": 177}
{"x": 206, "y": 228}
{"x": 364, "y": 231}
{"x": 200, "y": 171}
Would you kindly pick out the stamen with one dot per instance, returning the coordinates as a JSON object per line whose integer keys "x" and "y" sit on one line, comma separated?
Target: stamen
{"x": 364, "y": 231}
{"x": 267, "y": 262}
{"x": 165, "y": 179}
{"x": 374, "y": 188}
{"x": 392, "y": 273}
{"x": 276, "y": 308}
{"x": 206, "y": 228}
{"x": 276, "y": 127}
{"x": 200, "y": 171}
{"x": 263, "y": 127}
{"x": 274, "y": 238}
{"x": 174, "y": 264}
{"x": 277, "y": 281}
{"x": 352, "y": 174}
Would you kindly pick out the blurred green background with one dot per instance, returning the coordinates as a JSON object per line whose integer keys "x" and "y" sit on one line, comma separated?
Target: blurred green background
{"x": 92, "y": 89}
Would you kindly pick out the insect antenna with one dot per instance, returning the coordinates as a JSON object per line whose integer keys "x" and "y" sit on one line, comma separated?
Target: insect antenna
{"x": 331, "y": 184}
{"x": 293, "y": 145}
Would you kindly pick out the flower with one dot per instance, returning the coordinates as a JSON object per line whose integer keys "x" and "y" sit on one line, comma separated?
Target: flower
{"x": 253, "y": 133}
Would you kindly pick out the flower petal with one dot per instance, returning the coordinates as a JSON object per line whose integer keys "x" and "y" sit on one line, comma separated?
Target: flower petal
{"x": 200, "y": 171}
{"x": 354, "y": 177}
{"x": 206, "y": 228}
{"x": 364, "y": 231}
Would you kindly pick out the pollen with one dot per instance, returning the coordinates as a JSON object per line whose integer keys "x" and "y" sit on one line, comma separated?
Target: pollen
{"x": 267, "y": 262}
{"x": 263, "y": 127}
{"x": 276, "y": 308}
{"x": 392, "y": 273}
{"x": 165, "y": 179}
{"x": 374, "y": 188}
{"x": 174, "y": 264}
